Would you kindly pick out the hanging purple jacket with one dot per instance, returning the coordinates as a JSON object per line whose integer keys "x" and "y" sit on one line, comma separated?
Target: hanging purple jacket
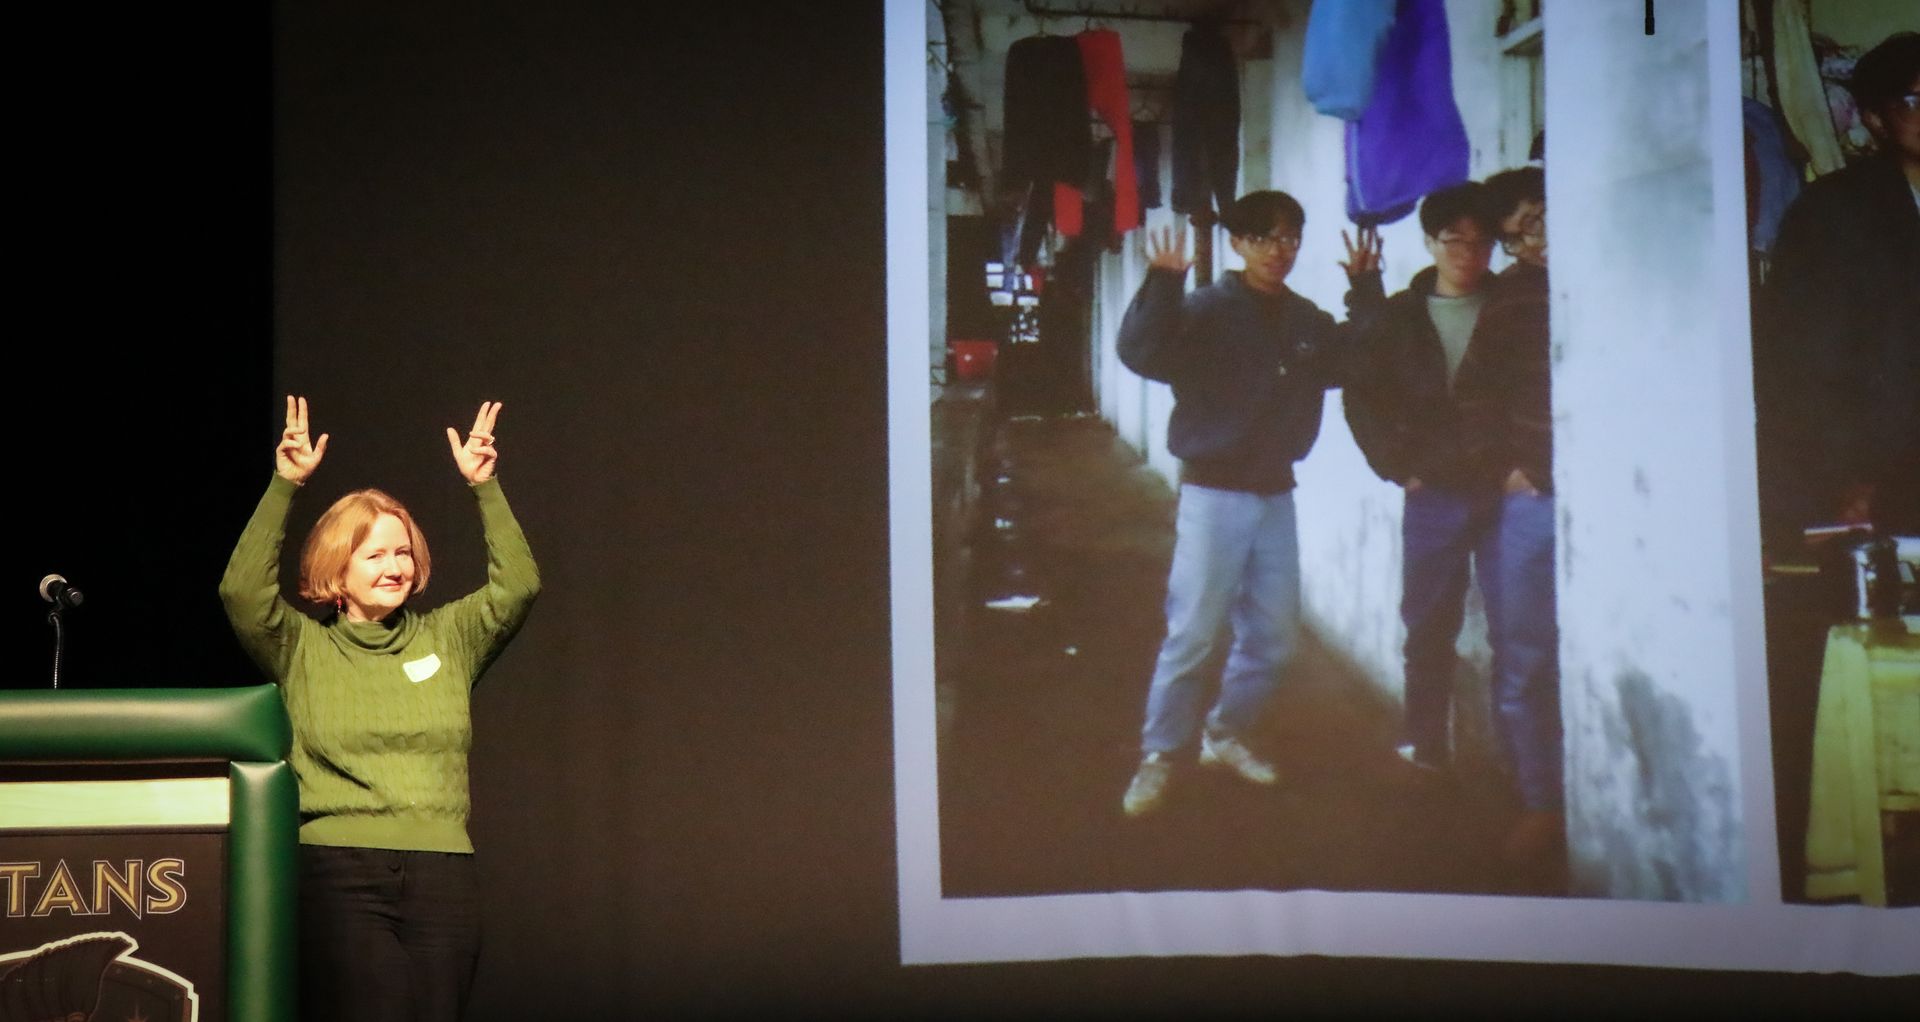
{"x": 1410, "y": 141}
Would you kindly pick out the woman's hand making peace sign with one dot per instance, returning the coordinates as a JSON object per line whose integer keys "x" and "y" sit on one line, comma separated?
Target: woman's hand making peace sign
{"x": 475, "y": 459}
{"x": 297, "y": 456}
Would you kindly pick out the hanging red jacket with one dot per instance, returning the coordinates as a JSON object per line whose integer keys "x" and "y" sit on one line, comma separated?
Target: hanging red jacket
{"x": 1106, "y": 73}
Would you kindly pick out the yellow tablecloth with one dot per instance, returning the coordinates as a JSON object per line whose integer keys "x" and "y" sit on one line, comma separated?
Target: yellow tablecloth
{"x": 1866, "y": 755}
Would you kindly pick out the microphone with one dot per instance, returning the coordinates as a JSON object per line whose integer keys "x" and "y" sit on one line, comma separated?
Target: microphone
{"x": 55, "y": 590}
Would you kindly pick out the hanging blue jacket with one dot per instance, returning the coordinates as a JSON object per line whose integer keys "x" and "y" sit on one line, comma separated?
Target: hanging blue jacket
{"x": 1343, "y": 54}
{"x": 1780, "y": 179}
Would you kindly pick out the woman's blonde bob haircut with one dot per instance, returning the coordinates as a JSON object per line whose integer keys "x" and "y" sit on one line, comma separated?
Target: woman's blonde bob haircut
{"x": 339, "y": 532}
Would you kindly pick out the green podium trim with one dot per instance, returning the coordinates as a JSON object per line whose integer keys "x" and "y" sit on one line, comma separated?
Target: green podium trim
{"x": 248, "y": 728}
{"x": 247, "y": 724}
{"x": 263, "y": 869}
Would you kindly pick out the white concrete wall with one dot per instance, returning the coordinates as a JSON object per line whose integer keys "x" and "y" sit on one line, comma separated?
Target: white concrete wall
{"x": 1653, "y": 435}
{"x": 1137, "y": 408}
{"x": 1256, "y": 127}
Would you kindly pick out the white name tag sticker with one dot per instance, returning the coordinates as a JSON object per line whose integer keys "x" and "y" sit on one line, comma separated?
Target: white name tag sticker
{"x": 422, "y": 669}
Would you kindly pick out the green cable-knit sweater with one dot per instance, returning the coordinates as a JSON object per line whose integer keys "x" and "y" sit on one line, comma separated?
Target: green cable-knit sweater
{"x": 381, "y": 726}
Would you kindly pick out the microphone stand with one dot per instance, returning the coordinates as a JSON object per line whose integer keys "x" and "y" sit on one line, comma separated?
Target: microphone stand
{"x": 59, "y": 641}
{"x": 57, "y": 591}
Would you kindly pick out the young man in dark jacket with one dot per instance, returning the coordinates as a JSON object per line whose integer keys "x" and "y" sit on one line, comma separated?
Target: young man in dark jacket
{"x": 1401, "y": 408}
{"x": 1506, "y": 403}
{"x": 1450, "y": 401}
{"x": 1837, "y": 335}
{"x": 1249, "y": 361}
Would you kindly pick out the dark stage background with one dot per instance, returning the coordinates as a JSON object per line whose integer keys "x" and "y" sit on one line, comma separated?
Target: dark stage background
{"x": 657, "y": 235}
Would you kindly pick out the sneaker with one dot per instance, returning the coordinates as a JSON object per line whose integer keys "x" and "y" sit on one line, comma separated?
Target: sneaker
{"x": 1408, "y": 753}
{"x": 1230, "y": 751}
{"x": 1149, "y": 787}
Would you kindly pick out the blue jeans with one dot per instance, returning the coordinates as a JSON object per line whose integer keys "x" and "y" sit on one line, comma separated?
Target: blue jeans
{"x": 1235, "y": 557}
{"x": 1526, "y": 649}
{"x": 1509, "y": 539}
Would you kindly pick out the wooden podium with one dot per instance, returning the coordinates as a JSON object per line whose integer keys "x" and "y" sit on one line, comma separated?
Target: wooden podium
{"x": 148, "y": 855}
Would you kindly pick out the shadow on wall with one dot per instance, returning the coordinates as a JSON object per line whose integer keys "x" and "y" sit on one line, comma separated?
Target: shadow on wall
{"x": 1674, "y": 834}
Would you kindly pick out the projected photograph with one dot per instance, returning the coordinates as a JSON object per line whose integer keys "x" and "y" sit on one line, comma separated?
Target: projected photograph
{"x": 1285, "y": 534}
{"x": 1408, "y": 479}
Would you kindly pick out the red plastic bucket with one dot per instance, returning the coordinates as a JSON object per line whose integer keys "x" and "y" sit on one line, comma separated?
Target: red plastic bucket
{"x": 973, "y": 360}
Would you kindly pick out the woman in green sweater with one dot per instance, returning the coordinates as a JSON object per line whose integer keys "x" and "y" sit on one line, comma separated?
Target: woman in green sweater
{"x": 378, "y": 696}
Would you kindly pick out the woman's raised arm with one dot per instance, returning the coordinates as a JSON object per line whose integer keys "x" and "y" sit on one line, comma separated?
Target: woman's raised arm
{"x": 266, "y": 625}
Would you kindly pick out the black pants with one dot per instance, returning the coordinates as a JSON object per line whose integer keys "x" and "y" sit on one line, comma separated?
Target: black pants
{"x": 386, "y": 935}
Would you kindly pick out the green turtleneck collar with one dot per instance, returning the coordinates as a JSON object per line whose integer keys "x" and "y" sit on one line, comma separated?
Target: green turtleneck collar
{"x": 388, "y": 636}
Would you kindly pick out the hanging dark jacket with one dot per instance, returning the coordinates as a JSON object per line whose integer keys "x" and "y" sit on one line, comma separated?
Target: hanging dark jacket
{"x": 1047, "y": 137}
{"x": 1206, "y": 123}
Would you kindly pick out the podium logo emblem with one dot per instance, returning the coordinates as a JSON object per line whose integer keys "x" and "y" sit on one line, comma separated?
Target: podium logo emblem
{"x": 92, "y": 978}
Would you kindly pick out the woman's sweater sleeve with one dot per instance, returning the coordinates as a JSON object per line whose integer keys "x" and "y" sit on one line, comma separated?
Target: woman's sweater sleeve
{"x": 266, "y": 625}
{"x": 490, "y": 616}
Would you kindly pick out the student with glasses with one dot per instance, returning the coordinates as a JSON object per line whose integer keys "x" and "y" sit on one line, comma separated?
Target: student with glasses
{"x": 1249, "y": 361}
{"x": 1400, "y": 407}
{"x": 1431, "y": 360}
{"x": 1506, "y": 409}
{"x": 1836, "y": 345}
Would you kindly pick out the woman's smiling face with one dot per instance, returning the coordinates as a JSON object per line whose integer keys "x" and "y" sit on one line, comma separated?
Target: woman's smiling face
{"x": 379, "y": 575}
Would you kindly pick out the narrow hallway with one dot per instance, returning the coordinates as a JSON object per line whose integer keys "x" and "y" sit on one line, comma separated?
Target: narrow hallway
{"x": 1041, "y": 710}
